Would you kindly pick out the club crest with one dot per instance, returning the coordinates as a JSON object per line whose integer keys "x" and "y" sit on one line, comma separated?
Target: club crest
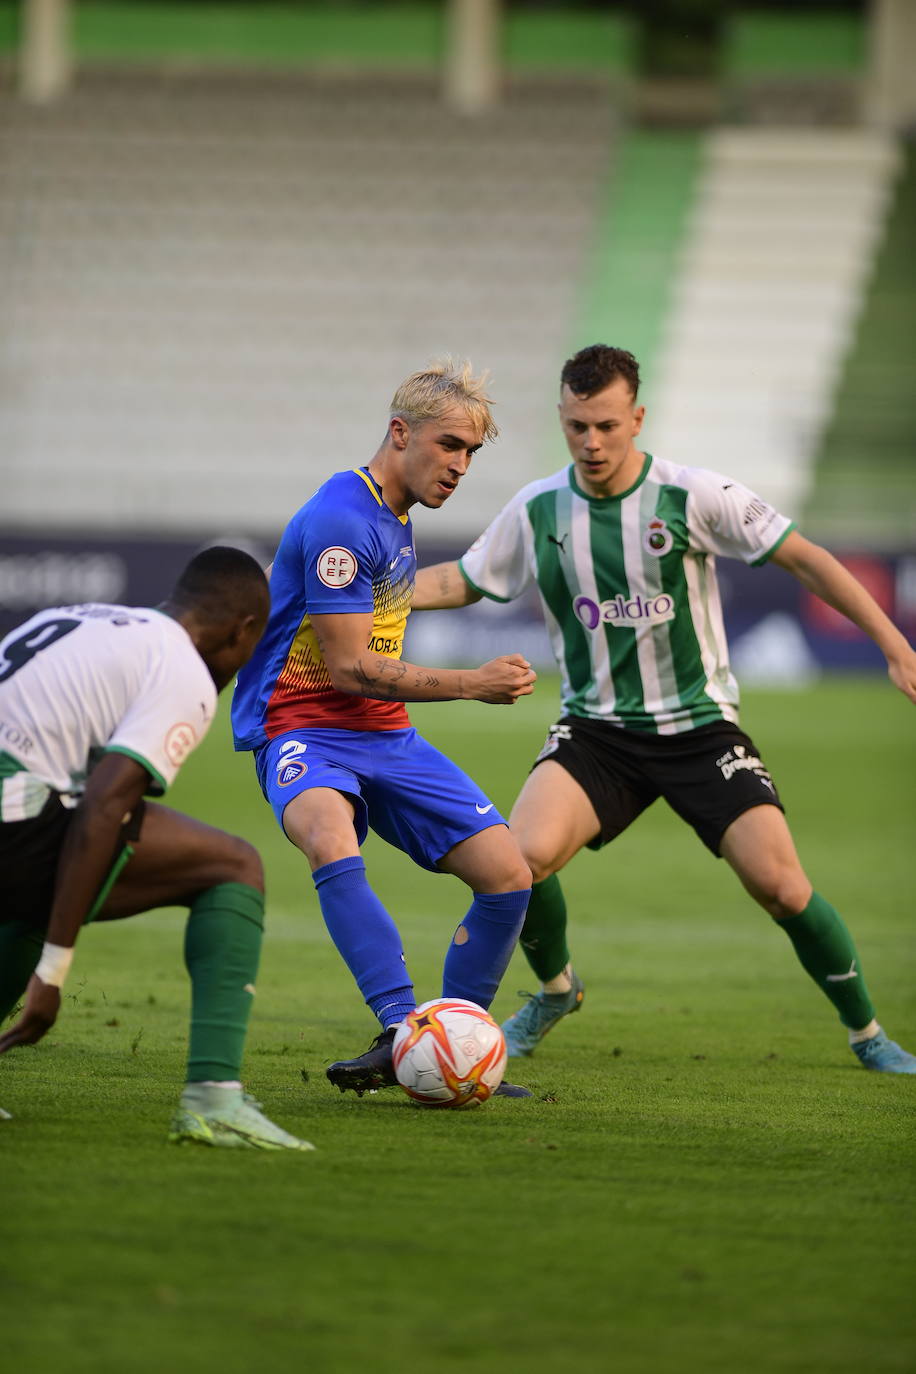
{"x": 657, "y": 539}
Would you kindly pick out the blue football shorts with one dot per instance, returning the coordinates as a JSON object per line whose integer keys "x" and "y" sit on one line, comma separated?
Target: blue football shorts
{"x": 405, "y": 790}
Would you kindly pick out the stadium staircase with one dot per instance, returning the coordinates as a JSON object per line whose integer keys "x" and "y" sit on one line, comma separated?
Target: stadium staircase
{"x": 628, "y": 287}
{"x": 776, "y": 261}
{"x": 864, "y": 491}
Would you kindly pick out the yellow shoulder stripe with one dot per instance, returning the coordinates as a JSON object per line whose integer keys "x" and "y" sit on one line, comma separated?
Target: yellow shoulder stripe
{"x": 369, "y": 483}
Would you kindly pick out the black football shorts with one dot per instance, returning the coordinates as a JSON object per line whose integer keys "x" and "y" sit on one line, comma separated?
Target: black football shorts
{"x": 709, "y": 775}
{"x": 29, "y": 851}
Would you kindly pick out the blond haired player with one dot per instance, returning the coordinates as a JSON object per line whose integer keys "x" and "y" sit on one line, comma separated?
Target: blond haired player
{"x": 322, "y": 705}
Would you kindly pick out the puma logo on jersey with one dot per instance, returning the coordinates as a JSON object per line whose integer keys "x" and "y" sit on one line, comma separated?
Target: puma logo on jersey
{"x": 560, "y": 543}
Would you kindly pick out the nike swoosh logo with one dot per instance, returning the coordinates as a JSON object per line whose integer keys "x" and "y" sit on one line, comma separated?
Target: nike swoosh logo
{"x": 482, "y": 810}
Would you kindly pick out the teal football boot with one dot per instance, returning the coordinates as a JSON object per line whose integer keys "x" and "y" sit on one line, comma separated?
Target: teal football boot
{"x": 883, "y": 1055}
{"x": 527, "y": 1028}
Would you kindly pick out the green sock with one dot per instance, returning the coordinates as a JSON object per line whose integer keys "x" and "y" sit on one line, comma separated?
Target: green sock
{"x": 825, "y": 951}
{"x": 222, "y": 947}
{"x": 20, "y": 950}
{"x": 543, "y": 936}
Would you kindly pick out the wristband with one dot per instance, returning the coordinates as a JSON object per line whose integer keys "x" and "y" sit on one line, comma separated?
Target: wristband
{"x": 54, "y": 964}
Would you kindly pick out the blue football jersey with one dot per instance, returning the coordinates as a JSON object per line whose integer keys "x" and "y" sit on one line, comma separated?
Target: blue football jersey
{"x": 343, "y": 552}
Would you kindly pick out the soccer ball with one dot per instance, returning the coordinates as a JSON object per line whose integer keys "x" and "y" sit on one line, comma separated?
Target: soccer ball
{"x": 449, "y": 1053}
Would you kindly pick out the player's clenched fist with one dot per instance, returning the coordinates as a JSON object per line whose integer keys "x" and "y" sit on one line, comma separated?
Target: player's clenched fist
{"x": 503, "y": 680}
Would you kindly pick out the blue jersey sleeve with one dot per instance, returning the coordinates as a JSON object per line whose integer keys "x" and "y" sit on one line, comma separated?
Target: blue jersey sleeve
{"x": 340, "y": 549}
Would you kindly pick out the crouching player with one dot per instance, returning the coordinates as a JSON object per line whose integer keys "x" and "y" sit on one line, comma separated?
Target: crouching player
{"x": 100, "y": 705}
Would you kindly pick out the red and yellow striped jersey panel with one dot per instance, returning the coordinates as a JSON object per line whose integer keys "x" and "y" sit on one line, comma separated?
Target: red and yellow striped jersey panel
{"x": 303, "y": 695}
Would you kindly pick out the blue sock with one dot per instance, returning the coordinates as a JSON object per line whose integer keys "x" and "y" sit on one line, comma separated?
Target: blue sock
{"x": 366, "y": 938}
{"x": 482, "y": 946}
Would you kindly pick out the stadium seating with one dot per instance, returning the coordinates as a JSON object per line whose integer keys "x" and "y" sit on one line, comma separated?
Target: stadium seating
{"x": 211, "y": 281}
{"x": 212, "y": 286}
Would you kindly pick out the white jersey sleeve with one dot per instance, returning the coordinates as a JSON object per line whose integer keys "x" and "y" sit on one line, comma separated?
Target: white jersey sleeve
{"x": 500, "y": 563}
{"x": 727, "y": 518}
{"x": 169, "y": 717}
{"x": 79, "y": 681}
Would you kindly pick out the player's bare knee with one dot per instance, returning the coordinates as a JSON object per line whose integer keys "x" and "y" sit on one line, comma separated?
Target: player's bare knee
{"x": 325, "y": 844}
{"x": 541, "y": 860}
{"x": 514, "y": 879}
{"x": 540, "y": 867}
{"x": 520, "y": 876}
{"x": 544, "y": 852}
{"x": 243, "y": 864}
{"x": 504, "y": 874}
{"x": 322, "y": 839}
{"x": 785, "y": 894}
{"x": 504, "y": 869}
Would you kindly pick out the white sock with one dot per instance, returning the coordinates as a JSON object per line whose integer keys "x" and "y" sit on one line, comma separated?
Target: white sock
{"x": 866, "y": 1033}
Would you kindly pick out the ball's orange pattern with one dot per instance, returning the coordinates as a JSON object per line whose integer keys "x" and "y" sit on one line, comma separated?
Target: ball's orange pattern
{"x": 465, "y": 1083}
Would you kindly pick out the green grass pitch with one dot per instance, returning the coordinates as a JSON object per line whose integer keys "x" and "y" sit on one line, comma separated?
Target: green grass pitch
{"x": 705, "y": 1179}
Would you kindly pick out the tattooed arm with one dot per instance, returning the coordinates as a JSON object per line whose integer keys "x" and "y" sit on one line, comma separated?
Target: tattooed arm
{"x": 355, "y": 668}
{"x": 440, "y": 587}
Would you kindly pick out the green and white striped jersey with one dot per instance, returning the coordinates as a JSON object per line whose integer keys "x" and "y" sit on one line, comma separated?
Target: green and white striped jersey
{"x": 628, "y": 587}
